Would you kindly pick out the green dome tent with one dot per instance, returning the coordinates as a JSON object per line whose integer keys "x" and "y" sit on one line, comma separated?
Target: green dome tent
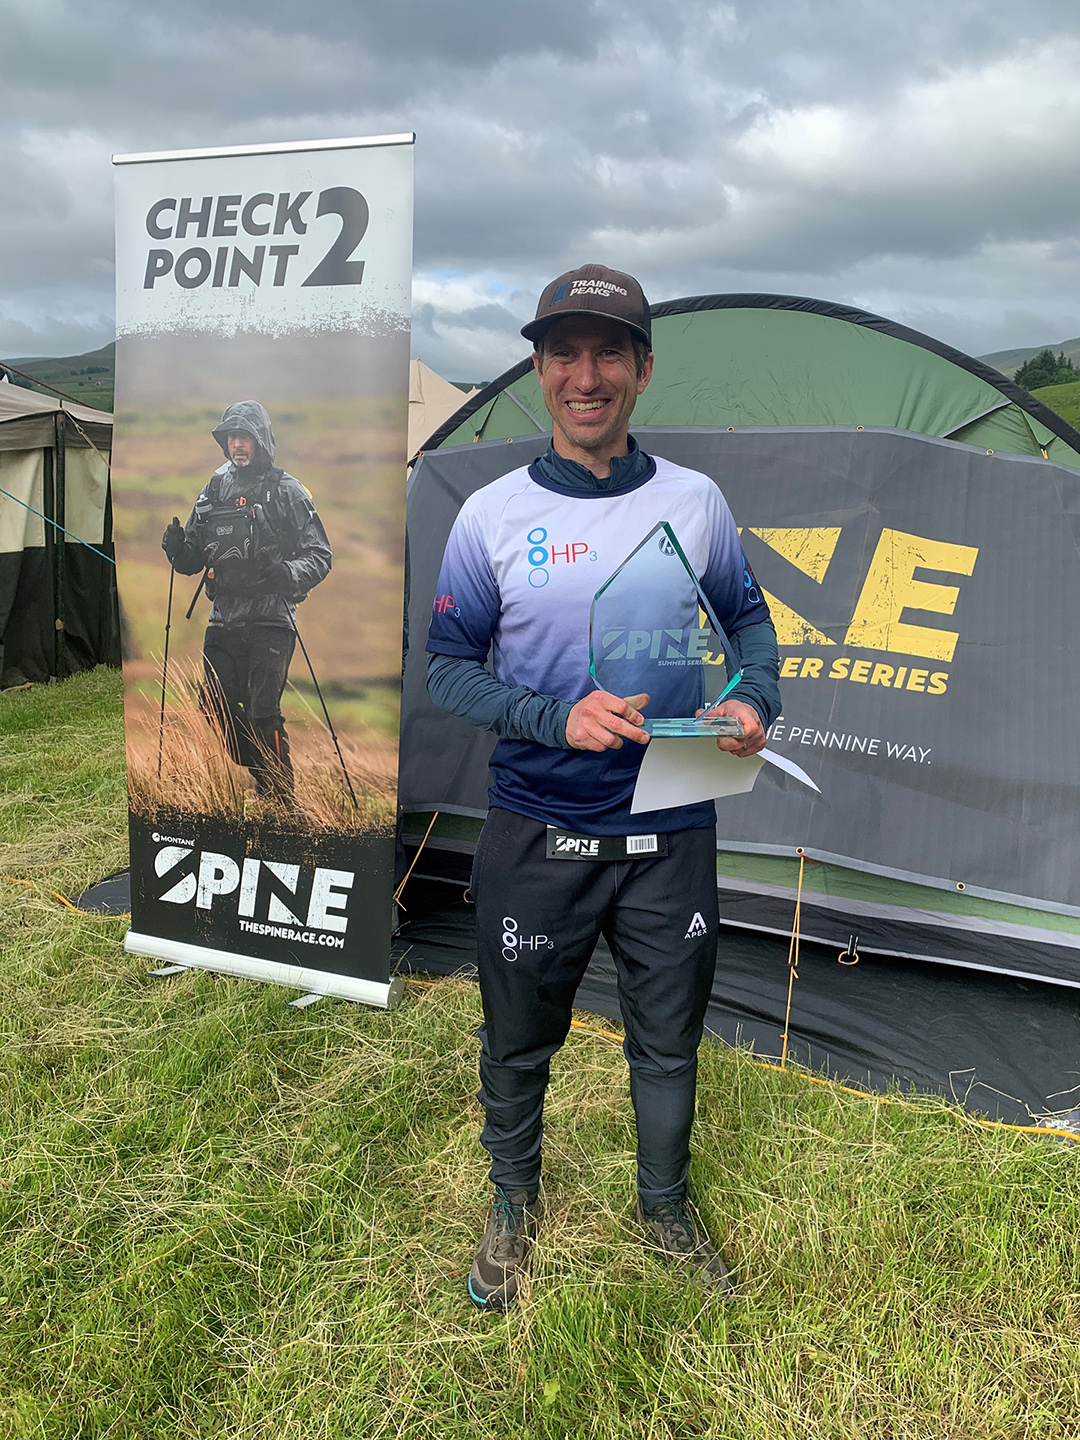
{"x": 846, "y": 443}
{"x": 784, "y": 360}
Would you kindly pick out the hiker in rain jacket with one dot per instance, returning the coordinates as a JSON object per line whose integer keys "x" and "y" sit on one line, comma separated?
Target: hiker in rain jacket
{"x": 257, "y": 536}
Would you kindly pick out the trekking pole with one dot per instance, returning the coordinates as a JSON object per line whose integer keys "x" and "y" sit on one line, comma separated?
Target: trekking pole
{"x": 195, "y": 597}
{"x": 329, "y": 722}
{"x": 165, "y": 670}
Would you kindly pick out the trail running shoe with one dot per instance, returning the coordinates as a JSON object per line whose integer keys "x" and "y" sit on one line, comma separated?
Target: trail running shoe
{"x": 502, "y": 1258}
{"x": 672, "y": 1229}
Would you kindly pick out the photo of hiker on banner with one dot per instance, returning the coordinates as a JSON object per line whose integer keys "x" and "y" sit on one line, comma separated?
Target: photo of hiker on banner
{"x": 263, "y": 657}
{"x": 256, "y": 536}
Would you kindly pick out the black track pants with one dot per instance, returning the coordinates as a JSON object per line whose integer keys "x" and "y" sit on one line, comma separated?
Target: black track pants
{"x": 245, "y": 669}
{"x": 537, "y": 922}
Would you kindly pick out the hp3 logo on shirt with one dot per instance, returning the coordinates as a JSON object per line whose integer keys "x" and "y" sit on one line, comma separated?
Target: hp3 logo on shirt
{"x": 541, "y": 555}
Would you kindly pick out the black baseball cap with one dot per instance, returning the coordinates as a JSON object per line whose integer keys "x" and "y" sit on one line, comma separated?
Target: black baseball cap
{"x": 593, "y": 290}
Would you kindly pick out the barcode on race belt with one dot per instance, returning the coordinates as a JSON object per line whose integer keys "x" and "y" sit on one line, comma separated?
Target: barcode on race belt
{"x": 641, "y": 844}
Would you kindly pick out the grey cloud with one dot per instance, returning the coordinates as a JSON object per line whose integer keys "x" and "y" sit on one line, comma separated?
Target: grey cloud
{"x": 125, "y": 64}
{"x": 492, "y": 318}
{"x": 548, "y": 135}
{"x": 40, "y": 326}
{"x": 463, "y": 35}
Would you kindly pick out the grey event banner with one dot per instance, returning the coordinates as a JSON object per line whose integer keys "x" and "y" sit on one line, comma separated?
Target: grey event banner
{"x": 263, "y": 303}
{"x": 925, "y": 595}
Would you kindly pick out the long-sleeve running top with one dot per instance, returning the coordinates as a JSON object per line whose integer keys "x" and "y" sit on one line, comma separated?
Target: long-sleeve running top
{"x": 535, "y": 617}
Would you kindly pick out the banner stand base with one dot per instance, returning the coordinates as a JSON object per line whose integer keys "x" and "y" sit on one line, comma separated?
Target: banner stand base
{"x": 303, "y": 1001}
{"x": 245, "y": 967}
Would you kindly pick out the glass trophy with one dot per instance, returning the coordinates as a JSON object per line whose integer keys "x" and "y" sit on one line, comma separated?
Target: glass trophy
{"x": 652, "y": 630}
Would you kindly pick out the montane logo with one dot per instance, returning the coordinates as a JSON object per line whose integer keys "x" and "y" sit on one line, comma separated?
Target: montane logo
{"x": 698, "y": 928}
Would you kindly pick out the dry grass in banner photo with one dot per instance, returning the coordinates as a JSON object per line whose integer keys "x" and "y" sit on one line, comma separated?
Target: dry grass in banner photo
{"x": 190, "y": 772}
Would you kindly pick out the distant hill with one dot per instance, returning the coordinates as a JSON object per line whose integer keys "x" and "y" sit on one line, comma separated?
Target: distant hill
{"x": 87, "y": 378}
{"x": 1009, "y": 361}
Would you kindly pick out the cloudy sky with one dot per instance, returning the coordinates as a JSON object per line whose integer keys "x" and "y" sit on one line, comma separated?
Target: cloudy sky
{"x": 920, "y": 159}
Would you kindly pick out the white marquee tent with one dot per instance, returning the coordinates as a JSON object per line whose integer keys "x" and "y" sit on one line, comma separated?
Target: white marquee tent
{"x": 58, "y": 610}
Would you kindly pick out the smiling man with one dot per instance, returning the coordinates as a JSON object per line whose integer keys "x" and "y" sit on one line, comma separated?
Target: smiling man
{"x": 561, "y": 861}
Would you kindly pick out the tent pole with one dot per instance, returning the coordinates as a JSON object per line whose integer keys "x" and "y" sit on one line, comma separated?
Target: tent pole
{"x": 59, "y": 485}
{"x": 48, "y": 598}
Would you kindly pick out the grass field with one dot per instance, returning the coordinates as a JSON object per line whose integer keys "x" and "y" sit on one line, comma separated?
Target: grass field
{"x": 1065, "y": 399}
{"x": 221, "y": 1217}
{"x": 68, "y": 373}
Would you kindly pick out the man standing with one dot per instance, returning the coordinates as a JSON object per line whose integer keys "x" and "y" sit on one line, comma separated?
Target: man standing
{"x": 524, "y": 559}
{"x": 256, "y": 534}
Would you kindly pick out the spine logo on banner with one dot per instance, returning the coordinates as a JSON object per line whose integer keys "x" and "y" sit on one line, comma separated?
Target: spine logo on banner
{"x": 220, "y": 217}
{"x": 271, "y": 895}
{"x": 879, "y": 620}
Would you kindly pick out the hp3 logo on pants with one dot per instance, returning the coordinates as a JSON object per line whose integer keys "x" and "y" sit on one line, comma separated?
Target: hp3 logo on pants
{"x": 514, "y": 942}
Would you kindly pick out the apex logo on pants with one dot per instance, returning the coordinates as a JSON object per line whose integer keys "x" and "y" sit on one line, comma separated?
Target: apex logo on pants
{"x": 698, "y": 928}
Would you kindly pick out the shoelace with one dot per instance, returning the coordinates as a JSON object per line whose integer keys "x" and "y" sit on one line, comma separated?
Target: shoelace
{"x": 676, "y": 1220}
{"x": 511, "y": 1218}
{"x": 506, "y": 1212}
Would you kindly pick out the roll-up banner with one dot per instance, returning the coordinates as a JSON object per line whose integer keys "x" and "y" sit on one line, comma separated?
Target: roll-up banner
{"x": 263, "y": 299}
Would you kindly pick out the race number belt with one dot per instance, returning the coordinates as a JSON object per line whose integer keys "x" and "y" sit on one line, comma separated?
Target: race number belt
{"x": 566, "y": 845}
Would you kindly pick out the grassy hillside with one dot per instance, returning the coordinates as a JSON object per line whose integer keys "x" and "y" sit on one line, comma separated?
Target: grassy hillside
{"x": 222, "y": 1217}
{"x": 1009, "y": 361}
{"x": 87, "y": 378}
{"x": 69, "y": 374}
{"x": 1065, "y": 399}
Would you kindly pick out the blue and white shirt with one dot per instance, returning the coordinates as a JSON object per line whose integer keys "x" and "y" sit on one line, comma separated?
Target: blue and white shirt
{"x": 521, "y": 567}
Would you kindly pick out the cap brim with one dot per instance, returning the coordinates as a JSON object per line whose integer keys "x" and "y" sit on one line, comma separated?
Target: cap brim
{"x": 535, "y": 328}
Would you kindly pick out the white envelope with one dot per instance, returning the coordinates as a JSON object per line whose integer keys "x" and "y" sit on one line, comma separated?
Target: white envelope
{"x": 686, "y": 771}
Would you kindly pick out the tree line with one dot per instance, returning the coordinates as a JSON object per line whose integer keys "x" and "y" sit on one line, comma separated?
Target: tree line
{"x": 1046, "y": 368}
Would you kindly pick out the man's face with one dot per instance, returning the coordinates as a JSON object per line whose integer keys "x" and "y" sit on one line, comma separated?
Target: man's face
{"x": 589, "y": 380}
{"x": 241, "y": 447}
